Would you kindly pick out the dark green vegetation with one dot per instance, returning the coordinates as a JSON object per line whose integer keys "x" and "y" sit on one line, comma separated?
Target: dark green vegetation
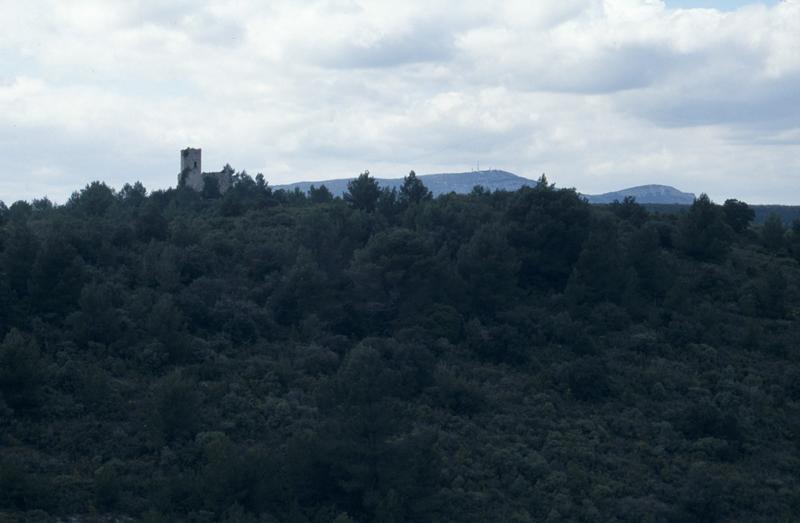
{"x": 787, "y": 213}
{"x": 509, "y": 356}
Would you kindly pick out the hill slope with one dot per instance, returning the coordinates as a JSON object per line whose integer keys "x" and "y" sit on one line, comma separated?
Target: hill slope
{"x": 519, "y": 356}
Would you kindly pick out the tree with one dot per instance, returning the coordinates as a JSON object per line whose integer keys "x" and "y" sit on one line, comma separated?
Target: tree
{"x": 653, "y": 277}
{"x": 703, "y": 232}
{"x": 94, "y": 200}
{"x": 738, "y": 215}
{"x": 175, "y": 407}
{"x": 167, "y": 324}
{"x": 18, "y": 256}
{"x": 773, "y": 233}
{"x": 98, "y": 319}
{"x": 319, "y": 195}
{"x": 211, "y": 189}
{"x": 489, "y": 267}
{"x": 629, "y": 210}
{"x": 133, "y": 195}
{"x": 547, "y": 227}
{"x": 296, "y": 197}
{"x": 413, "y": 191}
{"x": 150, "y": 223}
{"x": 243, "y": 182}
{"x": 21, "y": 374}
{"x": 363, "y": 192}
{"x": 771, "y": 293}
{"x": 42, "y": 204}
{"x": 388, "y": 203}
{"x": 599, "y": 273}
{"x": 396, "y": 270}
{"x": 56, "y": 275}
{"x": 587, "y": 378}
{"x": 19, "y": 211}
{"x": 793, "y": 240}
{"x": 387, "y": 470}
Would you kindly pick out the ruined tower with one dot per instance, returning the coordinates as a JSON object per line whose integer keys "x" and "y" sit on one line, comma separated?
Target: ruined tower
{"x": 192, "y": 174}
{"x": 191, "y": 169}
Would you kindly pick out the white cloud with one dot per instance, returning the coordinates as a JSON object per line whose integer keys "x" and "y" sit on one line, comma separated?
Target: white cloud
{"x": 600, "y": 95}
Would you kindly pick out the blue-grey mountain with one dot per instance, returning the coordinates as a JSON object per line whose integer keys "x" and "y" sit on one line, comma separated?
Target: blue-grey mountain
{"x": 645, "y": 194}
{"x": 494, "y": 180}
{"x": 442, "y": 183}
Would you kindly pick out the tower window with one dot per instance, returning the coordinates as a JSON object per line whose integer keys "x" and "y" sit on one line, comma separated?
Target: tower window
{"x": 195, "y": 165}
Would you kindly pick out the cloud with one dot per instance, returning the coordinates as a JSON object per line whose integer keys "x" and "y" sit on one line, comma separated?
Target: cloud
{"x": 421, "y": 44}
{"x": 599, "y": 94}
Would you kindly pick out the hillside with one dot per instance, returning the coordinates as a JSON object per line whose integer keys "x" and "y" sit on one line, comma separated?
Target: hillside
{"x": 265, "y": 356}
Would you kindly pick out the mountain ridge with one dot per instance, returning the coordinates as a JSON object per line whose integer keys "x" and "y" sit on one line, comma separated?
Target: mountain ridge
{"x": 497, "y": 179}
{"x": 650, "y": 193}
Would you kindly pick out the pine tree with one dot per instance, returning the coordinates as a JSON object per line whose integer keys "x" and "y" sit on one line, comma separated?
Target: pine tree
{"x": 363, "y": 192}
{"x": 413, "y": 191}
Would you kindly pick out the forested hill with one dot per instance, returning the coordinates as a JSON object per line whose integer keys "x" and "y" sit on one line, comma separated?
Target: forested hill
{"x": 391, "y": 357}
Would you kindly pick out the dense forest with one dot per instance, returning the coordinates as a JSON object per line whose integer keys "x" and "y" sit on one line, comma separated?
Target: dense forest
{"x": 283, "y": 356}
{"x": 762, "y": 213}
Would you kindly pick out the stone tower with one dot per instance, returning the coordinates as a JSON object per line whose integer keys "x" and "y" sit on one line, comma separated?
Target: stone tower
{"x": 193, "y": 177}
{"x": 191, "y": 168}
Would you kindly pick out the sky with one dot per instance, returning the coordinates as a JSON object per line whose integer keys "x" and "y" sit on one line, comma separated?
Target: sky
{"x": 598, "y": 94}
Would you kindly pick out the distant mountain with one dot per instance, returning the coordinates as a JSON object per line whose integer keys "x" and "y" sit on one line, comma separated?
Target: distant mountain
{"x": 645, "y": 194}
{"x": 494, "y": 180}
{"x": 442, "y": 183}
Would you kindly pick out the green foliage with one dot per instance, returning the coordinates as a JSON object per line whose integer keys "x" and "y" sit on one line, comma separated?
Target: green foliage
{"x": 738, "y": 215}
{"x": 547, "y": 227}
{"x": 413, "y": 191}
{"x": 133, "y": 195}
{"x": 19, "y": 489}
{"x": 107, "y": 484}
{"x": 94, "y": 200}
{"x": 20, "y": 247}
{"x": 586, "y": 379}
{"x": 773, "y": 233}
{"x": 21, "y": 371}
{"x": 395, "y": 270}
{"x": 56, "y": 275}
{"x": 175, "y": 407}
{"x": 793, "y": 240}
{"x": 498, "y": 356}
{"x": 19, "y": 211}
{"x": 150, "y": 224}
{"x": 704, "y": 234}
{"x": 320, "y": 194}
{"x": 646, "y": 257}
{"x": 489, "y": 268}
{"x": 599, "y": 273}
{"x": 363, "y": 192}
{"x": 629, "y": 210}
{"x": 211, "y": 190}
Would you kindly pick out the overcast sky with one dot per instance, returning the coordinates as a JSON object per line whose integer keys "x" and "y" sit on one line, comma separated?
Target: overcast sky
{"x": 600, "y": 95}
